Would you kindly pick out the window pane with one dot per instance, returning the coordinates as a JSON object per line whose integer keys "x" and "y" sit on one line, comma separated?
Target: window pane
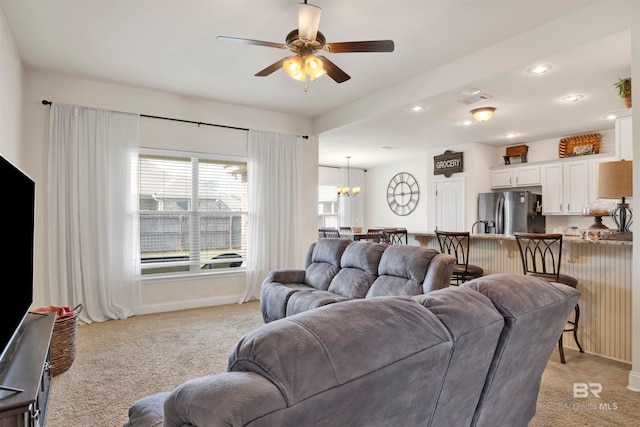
{"x": 184, "y": 227}
{"x": 223, "y": 204}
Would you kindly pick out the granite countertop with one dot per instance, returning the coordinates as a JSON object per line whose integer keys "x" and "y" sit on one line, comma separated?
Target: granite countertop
{"x": 570, "y": 239}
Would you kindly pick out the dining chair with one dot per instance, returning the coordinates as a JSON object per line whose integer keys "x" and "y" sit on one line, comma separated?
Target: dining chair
{"x": 396, "y": 236}
{"x": 541, "y": 256}
{"x": 333, "y": 233}
{"x": 373, "y": 235}
{"x": 456, "y": 243}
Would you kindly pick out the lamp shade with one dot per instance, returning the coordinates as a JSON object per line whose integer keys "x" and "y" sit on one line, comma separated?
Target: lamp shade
{"x": 615, "y": 179}
{"x": 483, "y": 114}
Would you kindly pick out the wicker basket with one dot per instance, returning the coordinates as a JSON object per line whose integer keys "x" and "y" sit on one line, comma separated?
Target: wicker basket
{"x": 579, "y": 145}
{"x": 62, "y": 352}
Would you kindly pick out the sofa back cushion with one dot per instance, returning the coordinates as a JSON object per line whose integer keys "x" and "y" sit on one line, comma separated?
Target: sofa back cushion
{"x": 402, "y": 271}
{"x": 359, "y": 268}
{"x": 476, "y": 327}
{"x": 353, "y": 363}
{"x": 535, "y": 313}
{"x": 323, "y": 262}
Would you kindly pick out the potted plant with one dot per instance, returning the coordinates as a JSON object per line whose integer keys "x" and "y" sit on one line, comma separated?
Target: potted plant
{"x": 624, "y": 89}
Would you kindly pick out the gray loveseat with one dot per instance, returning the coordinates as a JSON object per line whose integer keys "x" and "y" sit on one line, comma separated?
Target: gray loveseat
{"x": 338, "y": 270}
{"x": 463, "y": 356}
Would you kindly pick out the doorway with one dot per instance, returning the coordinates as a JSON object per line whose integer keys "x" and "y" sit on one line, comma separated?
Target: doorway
{"x": 450, "y": 205}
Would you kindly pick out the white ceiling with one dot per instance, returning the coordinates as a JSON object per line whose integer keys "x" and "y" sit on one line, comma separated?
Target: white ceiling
{"x": 441, "y": 48}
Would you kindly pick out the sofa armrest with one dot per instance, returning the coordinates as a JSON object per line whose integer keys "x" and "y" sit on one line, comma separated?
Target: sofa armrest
{"x": 286, "y": 276}
{"x": 439, "y": 273}
{"x": 222, "y": 400}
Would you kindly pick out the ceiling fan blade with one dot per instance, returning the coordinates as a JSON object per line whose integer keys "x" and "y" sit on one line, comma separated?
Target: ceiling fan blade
{"x": 236, "y": 40}
{"x": 308, "y": 21}
{"x": 364, "y": 46}
{"x": 333, "y": 70}
{"x": 271, "y": 68}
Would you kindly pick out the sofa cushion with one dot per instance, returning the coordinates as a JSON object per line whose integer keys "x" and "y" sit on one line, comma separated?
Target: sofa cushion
{"x": 148, "y": 411}
{"x": 402, "y": 271}
{"x": 324, "y": 262}
{"x": 274, "y": 297}
{"x": 322, "y": 354}
{"x": 476, "y": 327}
{"x": 535, "y": 313}
{"x": 308, "y": 300}
{"x": 359, "y": 269}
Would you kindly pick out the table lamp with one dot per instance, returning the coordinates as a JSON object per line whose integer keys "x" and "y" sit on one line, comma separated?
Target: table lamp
{"x": 615, "y": 181}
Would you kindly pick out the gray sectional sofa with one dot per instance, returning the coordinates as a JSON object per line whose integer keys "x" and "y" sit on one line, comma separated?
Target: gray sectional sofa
{"x": 338, "y": 270}
{"x": 462, "y": 356}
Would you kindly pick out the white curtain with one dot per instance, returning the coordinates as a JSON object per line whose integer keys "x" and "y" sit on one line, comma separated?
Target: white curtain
{"x": 274, "y": 230}
{"x": 351, "y": 209}
{"x": 94, "y": 256}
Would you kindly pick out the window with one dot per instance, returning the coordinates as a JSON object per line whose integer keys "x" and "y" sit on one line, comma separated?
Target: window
{"x": 327, "y": 206}
{"x": 193, "y": 213}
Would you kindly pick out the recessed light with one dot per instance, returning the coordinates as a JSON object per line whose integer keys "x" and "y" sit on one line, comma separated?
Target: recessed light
{"x": 572, "y": 98}
{"x": 471, "y": 91}
{"x": 539, "y": 69}
{"x": 511, "y": 135}
{"x": 610, "y": 117}
{"x": 418, "y": 108}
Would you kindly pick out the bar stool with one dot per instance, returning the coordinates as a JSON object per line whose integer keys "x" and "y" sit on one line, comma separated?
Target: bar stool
{"x": 456, "y": 243}
{"x": 541, "y": 256}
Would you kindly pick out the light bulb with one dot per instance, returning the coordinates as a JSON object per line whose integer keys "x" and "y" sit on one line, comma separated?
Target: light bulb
{"x": 293, "y": 67}
{"x": 314, "y": 67}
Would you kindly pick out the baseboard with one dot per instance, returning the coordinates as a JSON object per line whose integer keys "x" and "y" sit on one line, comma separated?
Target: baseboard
{"x": 186, "y": 305}
{"x": 634, "y": 381}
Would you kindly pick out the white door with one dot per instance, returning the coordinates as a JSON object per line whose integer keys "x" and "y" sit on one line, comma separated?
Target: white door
{"x": 450, "y": 205}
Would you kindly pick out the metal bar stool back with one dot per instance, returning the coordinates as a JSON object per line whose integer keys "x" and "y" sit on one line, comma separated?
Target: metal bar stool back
{"x": 541, "y": 256}
{"x": 456, "y": 243}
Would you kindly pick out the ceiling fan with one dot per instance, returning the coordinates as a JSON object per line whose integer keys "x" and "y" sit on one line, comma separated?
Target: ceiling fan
{"x": 304, "y": 42}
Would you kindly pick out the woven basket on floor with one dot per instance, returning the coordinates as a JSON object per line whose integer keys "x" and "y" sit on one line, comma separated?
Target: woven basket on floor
{"x": 62, "y": 352}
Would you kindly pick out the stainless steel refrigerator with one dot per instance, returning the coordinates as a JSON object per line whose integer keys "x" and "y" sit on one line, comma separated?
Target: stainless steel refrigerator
{"x": 506, "y": 212}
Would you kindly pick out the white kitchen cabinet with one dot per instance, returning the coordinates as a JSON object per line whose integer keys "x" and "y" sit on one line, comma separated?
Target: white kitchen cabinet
{"x": 624, "y": 140}
{"x": 565, "y": 187}
{"x": 523, "y": 176}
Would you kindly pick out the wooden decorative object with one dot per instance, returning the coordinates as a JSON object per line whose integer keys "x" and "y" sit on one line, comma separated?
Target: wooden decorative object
{"x": 580, "y": 145}
{"x": 516, "y": 151}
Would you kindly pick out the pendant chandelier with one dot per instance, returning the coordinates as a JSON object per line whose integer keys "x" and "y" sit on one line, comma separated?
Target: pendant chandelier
{"x": 347, "y": 190}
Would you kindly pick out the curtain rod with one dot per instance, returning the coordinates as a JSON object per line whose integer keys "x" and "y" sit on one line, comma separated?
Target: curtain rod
{"x": 45, "y": 102}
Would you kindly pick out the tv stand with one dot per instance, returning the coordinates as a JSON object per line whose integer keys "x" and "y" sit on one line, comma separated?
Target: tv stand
{"x": 25, "y": 377}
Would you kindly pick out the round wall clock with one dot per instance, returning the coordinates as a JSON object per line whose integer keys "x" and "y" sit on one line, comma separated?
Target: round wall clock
{"x": 403, "y": 194}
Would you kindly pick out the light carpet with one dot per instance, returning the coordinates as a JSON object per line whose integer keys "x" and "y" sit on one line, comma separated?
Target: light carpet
{"x": 121, "y": 361}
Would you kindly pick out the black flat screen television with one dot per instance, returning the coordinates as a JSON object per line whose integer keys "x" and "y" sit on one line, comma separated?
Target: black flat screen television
{"x": 18, "y": 220}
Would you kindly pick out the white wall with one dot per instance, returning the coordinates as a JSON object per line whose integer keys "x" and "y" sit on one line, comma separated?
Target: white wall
{"x": 476, "y": 158}
{"x": 169, "y": 294}
{"x": 11, "y": 88}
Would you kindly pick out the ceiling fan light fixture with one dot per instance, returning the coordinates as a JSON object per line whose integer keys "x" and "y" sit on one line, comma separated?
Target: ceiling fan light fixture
{"x": 308, "y": 21}
{"x": 314, "y": 67}
{"x": 293, "y": 67}
{"x": 483, "y": 114}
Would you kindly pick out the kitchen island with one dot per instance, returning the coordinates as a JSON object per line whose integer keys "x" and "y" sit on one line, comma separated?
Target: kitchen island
{"x": 603, "y": 271}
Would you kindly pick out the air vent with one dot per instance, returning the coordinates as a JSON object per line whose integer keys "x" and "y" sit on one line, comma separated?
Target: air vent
{"x": 476, "y": 98}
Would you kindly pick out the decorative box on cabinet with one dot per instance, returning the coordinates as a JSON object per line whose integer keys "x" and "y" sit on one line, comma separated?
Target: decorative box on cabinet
{"x": 524, "y": 176}
{"x": 565, "y": 188}
{"x": 26, "y": 368}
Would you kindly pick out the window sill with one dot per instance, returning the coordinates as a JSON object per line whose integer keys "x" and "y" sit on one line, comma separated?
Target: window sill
{"x": 179, "y": 277}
